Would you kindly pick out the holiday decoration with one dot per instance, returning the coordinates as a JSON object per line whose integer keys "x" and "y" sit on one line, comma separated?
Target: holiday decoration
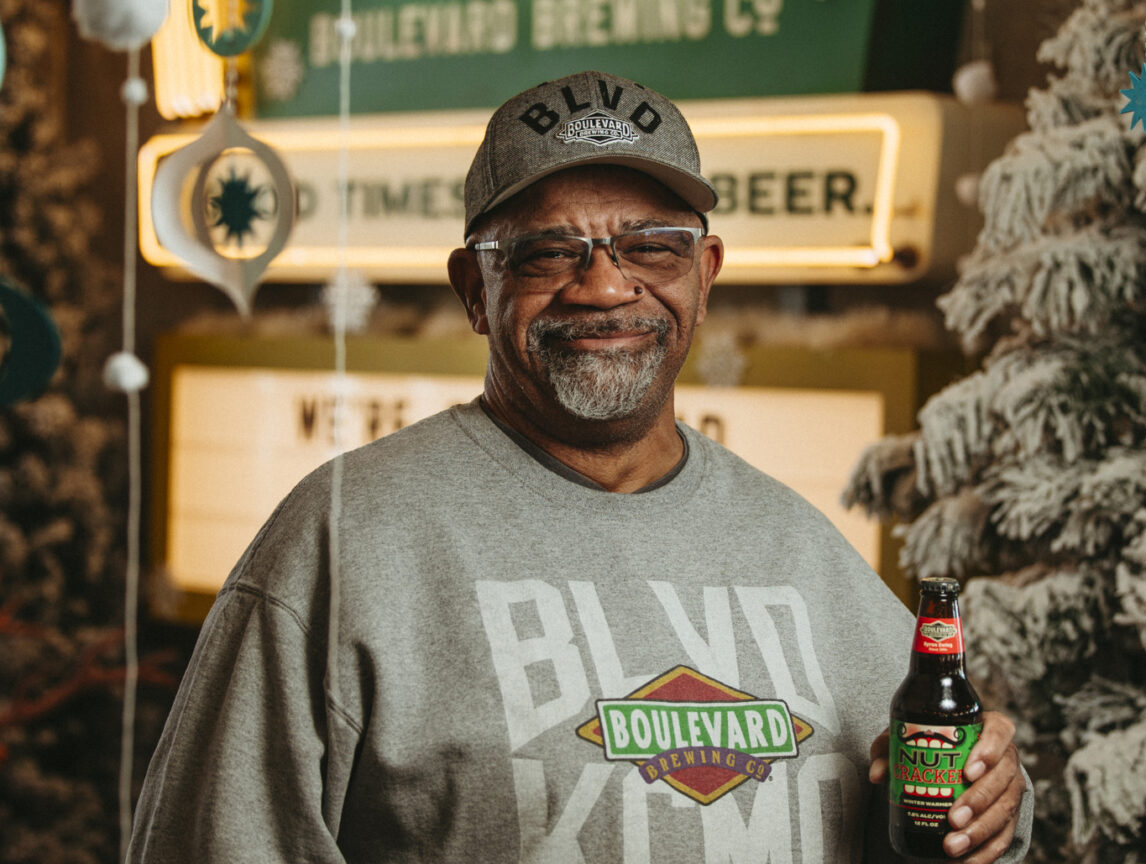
{"x": 1027, "y": 479}
{"x": 974, "y": 82}
{"x": 967, "y": 189}
{"x": 34, "y": 346}
{"x": 349, "y": 299}
{"x": 120, "y": 25}
{"x": 230, "y": 27}
{"x": 125, "y": 373}
{"x": 282, "y": 70}
{"x": 242, "y": 207}
{"x": 242, "y": 203}
{"x": 63, "y": 488}
{"x": 1136, "y": 99}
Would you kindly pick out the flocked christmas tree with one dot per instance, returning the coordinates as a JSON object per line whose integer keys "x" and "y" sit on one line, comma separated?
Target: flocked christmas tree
{"x": 1027, "y": 479}
{"x": 62, "y": 485}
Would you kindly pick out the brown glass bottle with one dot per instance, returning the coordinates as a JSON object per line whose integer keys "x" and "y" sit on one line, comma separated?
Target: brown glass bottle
{"x": 935, "y": 720}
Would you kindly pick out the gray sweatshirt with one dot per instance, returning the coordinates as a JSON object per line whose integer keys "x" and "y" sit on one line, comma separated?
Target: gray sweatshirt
{"x": 525, "y": 669}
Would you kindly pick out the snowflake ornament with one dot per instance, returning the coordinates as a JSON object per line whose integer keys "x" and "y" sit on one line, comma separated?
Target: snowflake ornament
{"x": 720, "y": 361}
{"x": 1136, "y": 99}
{"x": 281, "y": 70}
{"x": 349, "y": 299}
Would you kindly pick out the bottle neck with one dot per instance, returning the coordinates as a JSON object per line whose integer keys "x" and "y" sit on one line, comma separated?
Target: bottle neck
{"x": 938, "y": 640}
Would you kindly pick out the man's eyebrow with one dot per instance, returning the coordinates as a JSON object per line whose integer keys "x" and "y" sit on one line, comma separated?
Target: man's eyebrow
{"x": 626, "y": 227}
{"x": 642, "y": 224}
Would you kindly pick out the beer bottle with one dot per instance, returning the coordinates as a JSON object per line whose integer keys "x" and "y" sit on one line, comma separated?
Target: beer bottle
{"x": 935, "y": 721}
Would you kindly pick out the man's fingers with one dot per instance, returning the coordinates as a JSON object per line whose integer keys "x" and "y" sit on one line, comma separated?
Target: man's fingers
{"x": 989, "y": 834}
{"x": 993, "y": 744}
{"x": 878, "y": 769}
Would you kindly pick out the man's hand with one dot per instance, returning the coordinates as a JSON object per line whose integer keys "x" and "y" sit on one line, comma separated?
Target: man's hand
{"x": 984, "y": 817}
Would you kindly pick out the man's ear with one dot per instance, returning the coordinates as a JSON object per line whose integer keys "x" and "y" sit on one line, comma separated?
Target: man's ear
{"x": 468, "y": 284}
{"x": 711, "y": 259}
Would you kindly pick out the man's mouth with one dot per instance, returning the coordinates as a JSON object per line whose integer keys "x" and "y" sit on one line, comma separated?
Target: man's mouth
{"x": 607, "y": 335}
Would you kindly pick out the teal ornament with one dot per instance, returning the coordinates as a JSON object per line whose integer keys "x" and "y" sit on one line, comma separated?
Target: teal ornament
{"x": 230, "y": 27}
{"x": 33, "y": 346}
{"x": 242, "y": 207}
{"x": 1136, "y": 99}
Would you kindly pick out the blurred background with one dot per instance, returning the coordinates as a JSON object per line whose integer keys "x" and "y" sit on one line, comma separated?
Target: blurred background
{"x": 930, "y": 323}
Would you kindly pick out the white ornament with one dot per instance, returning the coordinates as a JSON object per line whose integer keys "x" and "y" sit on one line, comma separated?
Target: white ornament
{"x": 281, "y": 70}
{"x": 121, "y": 25}
{"x": 229, "y": 249}
{"x": 967, "y": 189}
{"x": 346, "y": 28}
{"x": 125, "y": 373}
{"x": 974, "y": 82}
{"x": 349, "y": 299}
{"x": 133, "y": 91}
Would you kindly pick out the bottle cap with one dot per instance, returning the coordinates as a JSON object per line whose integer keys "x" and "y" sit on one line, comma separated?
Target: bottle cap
{"x": 939, "y": 585}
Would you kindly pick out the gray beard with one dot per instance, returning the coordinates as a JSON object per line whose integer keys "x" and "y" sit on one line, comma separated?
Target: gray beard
{"x": 598, "y": 385}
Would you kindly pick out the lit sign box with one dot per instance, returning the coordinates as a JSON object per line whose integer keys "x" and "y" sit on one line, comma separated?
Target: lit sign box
{"x": 856, "y": 189}
{"x": 240, "y": 423}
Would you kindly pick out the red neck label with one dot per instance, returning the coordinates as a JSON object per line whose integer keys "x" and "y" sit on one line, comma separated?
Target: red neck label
{"x": 938, "y": 636}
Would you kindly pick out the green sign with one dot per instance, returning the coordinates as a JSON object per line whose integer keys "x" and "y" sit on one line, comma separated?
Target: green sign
{"x": 425, "y": 55}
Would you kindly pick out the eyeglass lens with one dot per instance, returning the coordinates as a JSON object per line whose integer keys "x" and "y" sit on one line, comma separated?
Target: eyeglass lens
{"x": 657, "y": 254}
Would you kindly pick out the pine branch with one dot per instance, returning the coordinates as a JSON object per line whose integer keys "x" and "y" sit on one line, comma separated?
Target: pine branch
{"x": 1082, "y": 508}
{"x": 1099, "y": 42}
{"x": 32, "y": 701}
{"x": 1070, "y": 284}
{"x": 1048, "y": 182}
{"x": 1021, "y": 629}
{"x": 883, "y": 481}
{"x": 950, "y": 538}
{"x": 1107, "y": 794}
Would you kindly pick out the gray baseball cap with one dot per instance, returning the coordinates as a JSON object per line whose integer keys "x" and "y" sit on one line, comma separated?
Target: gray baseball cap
{"x": 584, "y": 119}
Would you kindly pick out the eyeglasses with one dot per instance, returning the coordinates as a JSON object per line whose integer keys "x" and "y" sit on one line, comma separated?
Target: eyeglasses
{"x": 651, "y": 256}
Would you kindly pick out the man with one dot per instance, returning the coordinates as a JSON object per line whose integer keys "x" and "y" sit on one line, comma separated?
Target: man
{"x": 514, "y": 661}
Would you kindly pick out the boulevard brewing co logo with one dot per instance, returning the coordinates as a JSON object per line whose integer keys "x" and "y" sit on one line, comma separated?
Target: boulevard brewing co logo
{"x": 600, "y": 128}
{"x": 938, "y": 631}
{"x": 701, "y": 737}
{"x": 939, "y": 636}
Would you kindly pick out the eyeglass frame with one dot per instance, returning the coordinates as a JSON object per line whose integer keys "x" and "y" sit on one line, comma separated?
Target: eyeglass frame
{"x": 591, "y": 243}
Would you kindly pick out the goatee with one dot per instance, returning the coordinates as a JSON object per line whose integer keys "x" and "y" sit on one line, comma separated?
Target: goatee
{"x": 607, "y": 384}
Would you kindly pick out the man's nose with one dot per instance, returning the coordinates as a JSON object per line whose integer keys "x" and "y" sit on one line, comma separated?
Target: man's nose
{"x": 600, "y": 284}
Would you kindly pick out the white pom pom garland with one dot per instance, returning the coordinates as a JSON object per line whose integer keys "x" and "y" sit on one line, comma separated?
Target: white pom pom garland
{"x": 125, "y": 373}
{"x": 967, "y": 190}
{"x": 133, "y": 91}
{"x": 345, "y": 28}
{"x": 974, "y": 82}
{"x": 121, "y": 25}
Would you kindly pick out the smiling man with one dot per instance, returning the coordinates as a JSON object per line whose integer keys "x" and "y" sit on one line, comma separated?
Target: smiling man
{"x": 567, "y": 627}
{"x": 587, "y": 335}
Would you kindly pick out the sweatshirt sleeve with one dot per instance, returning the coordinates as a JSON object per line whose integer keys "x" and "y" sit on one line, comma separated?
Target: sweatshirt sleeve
{"x": 238, "y": 773}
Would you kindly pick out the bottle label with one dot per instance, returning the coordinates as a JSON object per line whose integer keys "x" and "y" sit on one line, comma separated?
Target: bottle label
{"x": 927, "y": 771}
{"x": 938, "y": 636}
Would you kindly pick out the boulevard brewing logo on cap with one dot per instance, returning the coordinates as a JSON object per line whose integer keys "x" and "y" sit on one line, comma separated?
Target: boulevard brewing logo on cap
{"x": 598, "y": 128}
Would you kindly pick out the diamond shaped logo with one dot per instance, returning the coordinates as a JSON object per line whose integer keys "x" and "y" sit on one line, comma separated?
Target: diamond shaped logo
{"x": 696, "y": 734}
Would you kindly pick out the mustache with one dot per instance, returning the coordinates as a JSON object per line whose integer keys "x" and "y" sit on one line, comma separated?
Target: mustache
{"x": 544, "y": 332}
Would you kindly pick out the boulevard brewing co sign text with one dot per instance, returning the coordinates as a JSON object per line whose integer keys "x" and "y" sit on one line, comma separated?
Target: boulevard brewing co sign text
{"x": 424, "y": 55}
